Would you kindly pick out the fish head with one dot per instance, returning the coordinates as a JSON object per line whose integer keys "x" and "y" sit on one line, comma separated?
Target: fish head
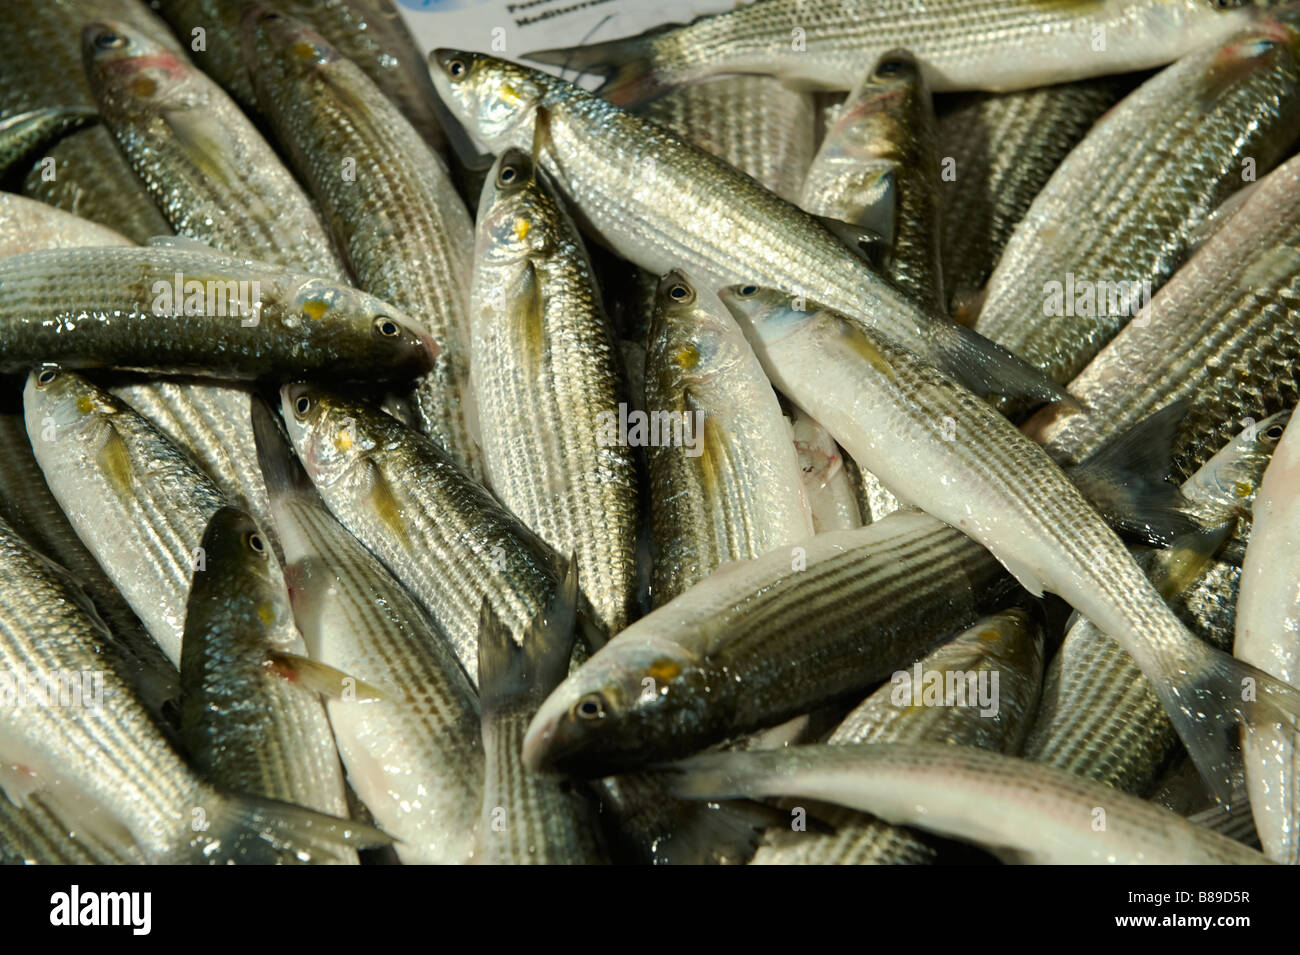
{"x": 518, "y": 213}
{"x": 692, "y": 338}
{"x": 352, "y": 327}
{"x": 331, "y": 434}
{"x": 281, "y": 47}
{"x": 1231, "y": 479}
{"x": 61, "y": 405}
{"x": 635, "y": 700}
{"x": 494, "y": 98}
{"x": 766, "y": 315}
{"x": 238, "y": 586}
{"x": 132, "y": 75}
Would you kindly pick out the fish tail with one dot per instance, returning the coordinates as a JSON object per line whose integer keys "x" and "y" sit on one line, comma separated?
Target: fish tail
{"x": 1208, "y": 694}
{"x": 239, "y": 828}
{"x": 627, "y": 65}
{"x": 281, "y": 471}
{"x": 986, "y": 368}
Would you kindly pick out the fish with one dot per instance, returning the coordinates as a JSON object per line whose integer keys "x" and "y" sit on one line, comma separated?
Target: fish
{"x": 83, "y": 173}
{"x": 137, "y": 502}
{"x": 737, "y": 491}
{"x": 251, "y": 714}
{"x": 388, "y": 197}
{"x": 1220, "y": 335}
{"x": 827, "y": 483}
{"x": 1144, "y": 177}
{"x": 23, "y": 134}
{"x": 443, "y": 535}
{"x": 1020, "y": 811}
{"x": 541, "y": 341}
{"x": 1000, "y": 656}
{"x": 1266, "y": 637}
{"x": 529, "y": 818}
{"x": 412, "y": 752}
{"x": 37, "y": 835}
{"x": 203, "y": 161}
{"x": 1002, "y": 149}
{"x": 180, "y": 308}
{"x": 663, "y": 203}
{"x": 758, "y": 642}
{"x": 27, "y": 225}
{"x": 945, "y": 450}
{"x": 756, "y": 123}
{"x": 104, "y": 762}
{"x": 370, "y": 33}
{"x": 825, "y": 44}
{"x": 878, "y": 168}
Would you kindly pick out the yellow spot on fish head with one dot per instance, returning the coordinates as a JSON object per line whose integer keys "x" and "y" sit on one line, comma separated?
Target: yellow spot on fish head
{"x": 990, "y": 636}
{"x": 1241, "y": 489}
{"x": 85, "y": 405}
{"x": 304, "y": 51}
{"x": 144, "y": 87}
{"x": 266, "y": 613}
{"x": 315, "y": 309}
{"x": 522, "y": 228}
{"x": 343, "y": 440}
{"x": 508, "y": 94}
{"x": 687, "y": 357}
{"x": 664, "y": 670}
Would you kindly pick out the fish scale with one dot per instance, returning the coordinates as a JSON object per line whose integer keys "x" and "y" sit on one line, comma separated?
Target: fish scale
{"x": 1145, "y": 176}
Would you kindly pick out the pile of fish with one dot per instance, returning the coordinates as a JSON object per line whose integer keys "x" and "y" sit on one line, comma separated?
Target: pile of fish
{"x": 855, "y": 433}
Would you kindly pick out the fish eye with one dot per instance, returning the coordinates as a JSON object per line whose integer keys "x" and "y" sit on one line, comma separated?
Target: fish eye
{"x": 1228, "y": 4}
{"x": 255, "y": 543}
{"x": 1274, "y": 433}
{"x": 386, "y": 326}
{"x": 456, "y": 69}
{"x": 302, "y": 405}
{"x": 507, "y": 175}
{"x": 748, "y": 291}
{"x": 45, "y": 377}
{"x": 680, "y": 293}
{"x": 109, "y": 40}
{"x": 590, "y": 707}
{"x": 890, "y": 68}
{"x": 271, "y": 15}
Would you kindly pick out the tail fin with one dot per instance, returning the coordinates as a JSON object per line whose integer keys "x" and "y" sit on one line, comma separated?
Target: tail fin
{"x": 238, "y": 828}
{"x": 627, "y": 65}
{"x": 986, "y": 368}
{"x": 1207, "y": 694}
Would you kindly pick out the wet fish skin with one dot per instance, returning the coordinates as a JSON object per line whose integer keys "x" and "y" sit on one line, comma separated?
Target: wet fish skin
{"x": 883, "y": 151}
{"x": 27, "y": 225}
{"x": 1265, "y": 636}
{"x": 1132, "y": 180}
{"x": 964, "y": 45}
{"x": 355, "y": 617}
{"x": 1020, "y": 811}
{"x": 1220, "y": 335}
{"x": 661, "y": 202}
{"x": 756, "y": 123}
{"x": 203, "y": 161}
{"x": 249, "y": 721}
{"x": 967, "y": 465}
{"x": 439, "y": 532}
{"x": 138, "y": 502}
{"x": 22, "y": 134}
{"x": 36, "y": 835}
{"x": 1004, "y": 148}
{"x": 96, "y": 306}
{"x": 1099, "y": 717}
{"x": 759, "y": 642}
{"x": 827, "y": 483}
{"x": 740, "y": 495}
{"x": 389, "y": 200}
{"x": 541, "y": 341}
{"x": 1006, "y": 647}
{"x": 118, "y": 757}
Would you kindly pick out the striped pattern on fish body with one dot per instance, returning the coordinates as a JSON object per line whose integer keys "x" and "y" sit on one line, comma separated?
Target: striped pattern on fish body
{"x": 137, "y": 501}
{"x": 1020, "y": 811}
{"x": 444, "y": 536}
{"x": 661, "y": 202}
{"x": 883, "y": 153}
{"x": 168, "y": 308}
{"x": 388, "y": 198}
{"x": 34, "y": 834}
{"x": 737, "y": 493}
{"x": 1008, "y": 644}
{"x": 204, "y": 162}
{"x": 27, "y": 225}
{"x": 413, "y": 757}
{"x": 965, "y": 44}
{"x": 547, "y": 381}
{"x": 249, "y": 719}
{"x": 756, "y": 123}
{"x": 1141, "y": 180}
{"x": 1221, "y": 334}
{"x": 1004, "y": 148}
{"x": 1100, "y": 717}
{"x": 1267, "y": 611}
{"x": 769, "y": 638}
{"x": 954, "y": 454}
{"x": 41, "y": 67}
